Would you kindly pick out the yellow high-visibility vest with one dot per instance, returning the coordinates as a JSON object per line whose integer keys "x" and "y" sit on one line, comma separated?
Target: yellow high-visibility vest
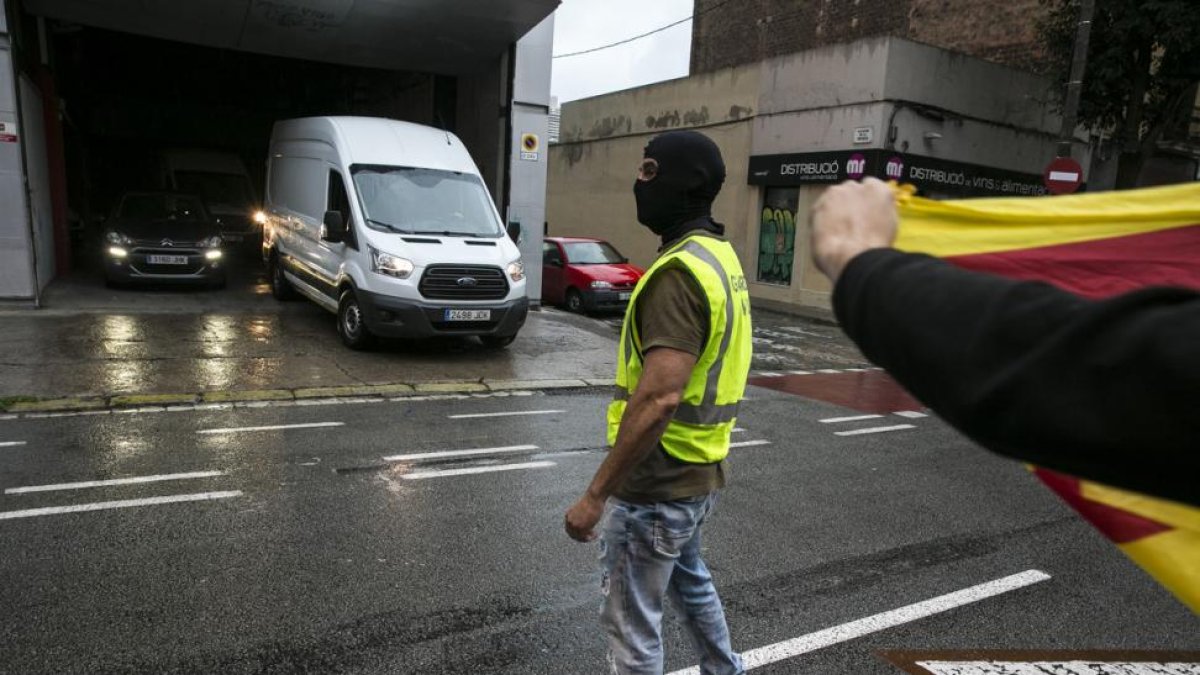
{"x": 700, "y": 430}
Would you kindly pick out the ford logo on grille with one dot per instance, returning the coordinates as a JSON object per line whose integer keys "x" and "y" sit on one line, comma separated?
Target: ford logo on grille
{"x": 467, "y": 281}
{"x": 167, "y": 242}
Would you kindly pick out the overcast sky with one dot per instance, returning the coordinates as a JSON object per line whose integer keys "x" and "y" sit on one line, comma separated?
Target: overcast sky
{"x": 584, "y": 24}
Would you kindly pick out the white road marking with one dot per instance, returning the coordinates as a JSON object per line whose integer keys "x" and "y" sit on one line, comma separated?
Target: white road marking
{"x": 738, "y": 430}
{"x": 418, "y": 475}
{"x": 787, "y": 649}
{"x": 505, "y": 414}
{"x": 1089, "y": 667}
{"x": 829, "y": 370}
{"x": 856, "y": 370}
{"x": 801, "y": 331}
{"x": 911, "y": 414}
{"x": 770, "y": 374}
{"x": 748, "y": 444}
{"x": 800, "y": 372}
{"x": 11, "y": 444}
{"x": 459, "y": 453}
{"x": 114, "y": 481}
{"x": 274, "y": 427}
{"x": 122, "y": 504}
{"x": 855, "y": 418}
{"x": 873, "y": 430}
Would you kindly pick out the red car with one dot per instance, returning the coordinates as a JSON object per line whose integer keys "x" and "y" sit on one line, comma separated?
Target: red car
{"x": 586, "y": 274}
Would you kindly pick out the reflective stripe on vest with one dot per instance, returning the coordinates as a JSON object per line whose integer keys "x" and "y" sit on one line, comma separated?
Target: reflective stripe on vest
{"x": 700, "y": 429}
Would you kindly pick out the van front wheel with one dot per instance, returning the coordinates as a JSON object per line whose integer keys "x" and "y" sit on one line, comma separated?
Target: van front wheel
{"x": 281, "y": 288}
{"x": 351, "y": 326}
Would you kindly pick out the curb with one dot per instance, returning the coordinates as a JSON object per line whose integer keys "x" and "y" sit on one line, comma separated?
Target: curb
{"x": 27, "y": 404}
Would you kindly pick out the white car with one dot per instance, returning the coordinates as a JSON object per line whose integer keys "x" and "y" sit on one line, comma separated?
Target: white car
{"x": 390, "y": 226}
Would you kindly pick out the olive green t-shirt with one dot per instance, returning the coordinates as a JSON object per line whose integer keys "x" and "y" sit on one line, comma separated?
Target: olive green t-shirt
{"x": 672, "y": 312}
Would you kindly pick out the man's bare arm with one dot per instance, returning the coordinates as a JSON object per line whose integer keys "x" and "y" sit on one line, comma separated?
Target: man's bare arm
{"x": 649, "y": 410}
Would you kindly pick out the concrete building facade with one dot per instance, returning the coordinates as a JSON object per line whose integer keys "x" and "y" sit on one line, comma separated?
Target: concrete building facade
{"x": 726, "y": 34}
{"x": 790, "y": 126}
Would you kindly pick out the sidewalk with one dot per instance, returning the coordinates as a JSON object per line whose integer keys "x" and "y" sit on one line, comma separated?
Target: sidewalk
{"x": 93, "y": 342}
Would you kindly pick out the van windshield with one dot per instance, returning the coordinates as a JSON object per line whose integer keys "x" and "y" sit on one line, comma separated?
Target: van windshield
{"x": 425, "y": 201}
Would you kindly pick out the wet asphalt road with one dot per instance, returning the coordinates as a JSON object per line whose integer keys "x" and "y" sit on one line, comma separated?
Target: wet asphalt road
{"x": 317, "y": 555}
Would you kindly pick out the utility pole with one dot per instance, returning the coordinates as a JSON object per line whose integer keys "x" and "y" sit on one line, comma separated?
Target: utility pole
{"x": 1083, "y": 32}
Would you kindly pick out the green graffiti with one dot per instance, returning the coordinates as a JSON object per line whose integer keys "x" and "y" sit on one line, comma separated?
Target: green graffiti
{"x": 776, "y": 246}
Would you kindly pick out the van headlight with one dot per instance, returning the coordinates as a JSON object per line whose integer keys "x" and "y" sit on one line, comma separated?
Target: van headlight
{"x": 391, "y": 265}
{"x": 260, "y": 217}
{"x": 212, "y": 242}
{"x": 516, "y": 270}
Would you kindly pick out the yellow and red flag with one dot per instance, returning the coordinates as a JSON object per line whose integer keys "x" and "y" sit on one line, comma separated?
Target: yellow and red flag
{"x": 1096, "y": 245}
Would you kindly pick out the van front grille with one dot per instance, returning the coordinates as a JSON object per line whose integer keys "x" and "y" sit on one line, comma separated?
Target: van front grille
{"x": 463, "y": 282}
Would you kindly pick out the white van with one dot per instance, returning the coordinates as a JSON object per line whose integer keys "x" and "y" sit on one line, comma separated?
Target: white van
{"x": 221, "y": 180}
{"x": 389, "y": 225}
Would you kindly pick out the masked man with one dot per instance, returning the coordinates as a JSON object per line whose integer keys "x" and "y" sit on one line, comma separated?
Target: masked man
{"x": 683, "y": 361}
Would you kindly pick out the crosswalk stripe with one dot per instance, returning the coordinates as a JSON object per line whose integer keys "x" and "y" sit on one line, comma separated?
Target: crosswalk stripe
{"x": 419, "y": 475}
{"x": 133, "y": 480}
{"x": 416, "y": 457}
{"x": 120, "y": 504}
{"x": 873, "y": 430}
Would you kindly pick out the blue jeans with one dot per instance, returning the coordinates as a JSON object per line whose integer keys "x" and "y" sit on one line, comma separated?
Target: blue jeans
{"x": 649, "y": 551}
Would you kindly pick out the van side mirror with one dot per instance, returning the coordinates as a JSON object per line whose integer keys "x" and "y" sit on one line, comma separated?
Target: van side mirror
{"x": 514, "y": 231}
{"x": 334, "y": 229}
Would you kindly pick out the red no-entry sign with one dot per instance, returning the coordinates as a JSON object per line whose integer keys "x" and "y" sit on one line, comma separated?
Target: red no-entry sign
{"x": 1063, "y": 176}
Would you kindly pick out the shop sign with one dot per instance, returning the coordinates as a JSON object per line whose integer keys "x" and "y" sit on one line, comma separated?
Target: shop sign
{"x": 928, "y": 174}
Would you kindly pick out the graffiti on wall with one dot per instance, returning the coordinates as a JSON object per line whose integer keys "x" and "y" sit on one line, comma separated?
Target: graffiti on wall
{"x": 777, "y": 236}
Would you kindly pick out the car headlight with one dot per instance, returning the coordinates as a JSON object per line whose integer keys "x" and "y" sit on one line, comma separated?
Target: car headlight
{"x": 212, "y": 242}
{"x": 260, "y": 217}
{"x": 391, "y": 265}
{"x": 117, "y": 251}
{"x": 516, "y": 270}
{"x": 601, "y": 284}
{"x": 117, "y": 239}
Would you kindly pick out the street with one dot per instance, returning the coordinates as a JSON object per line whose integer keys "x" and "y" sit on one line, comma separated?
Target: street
{"x": 424, "y": 535}
{"x": 312, "y": 312}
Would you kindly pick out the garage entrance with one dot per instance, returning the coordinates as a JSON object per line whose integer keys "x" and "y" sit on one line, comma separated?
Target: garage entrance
{"x": 181, "y": 95}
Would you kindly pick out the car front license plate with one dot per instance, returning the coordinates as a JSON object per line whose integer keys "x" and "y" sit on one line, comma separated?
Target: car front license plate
{"x": 468, "y": 315}
{"x": 167, "y": 259}
{"x": 624, "y": 296}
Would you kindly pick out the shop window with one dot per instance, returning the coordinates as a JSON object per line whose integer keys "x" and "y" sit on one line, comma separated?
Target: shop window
{"x": 777, "y": 235}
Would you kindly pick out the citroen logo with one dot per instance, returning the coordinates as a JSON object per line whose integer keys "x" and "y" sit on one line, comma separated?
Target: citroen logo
{"x": 167, "y": 242}
{"x": 467, "y": 281}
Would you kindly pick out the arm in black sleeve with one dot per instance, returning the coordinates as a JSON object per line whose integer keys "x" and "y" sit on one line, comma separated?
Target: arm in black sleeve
{"x": 1106, "y": 390}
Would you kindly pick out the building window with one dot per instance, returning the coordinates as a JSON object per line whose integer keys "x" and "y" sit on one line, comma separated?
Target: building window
{"x": 777, "y": 235}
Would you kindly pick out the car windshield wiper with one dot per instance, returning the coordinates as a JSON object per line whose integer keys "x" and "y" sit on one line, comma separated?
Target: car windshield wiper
{"x": 389, "y": 226}
{"x": 452, "y": 233}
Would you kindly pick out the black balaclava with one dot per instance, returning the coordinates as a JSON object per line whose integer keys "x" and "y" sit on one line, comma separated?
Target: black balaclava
{"x": 679, "y": 198}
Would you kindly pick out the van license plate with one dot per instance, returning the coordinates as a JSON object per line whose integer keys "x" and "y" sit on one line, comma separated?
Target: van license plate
{"x": 167, "y": 259}
{"x": 468, "y": 315}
